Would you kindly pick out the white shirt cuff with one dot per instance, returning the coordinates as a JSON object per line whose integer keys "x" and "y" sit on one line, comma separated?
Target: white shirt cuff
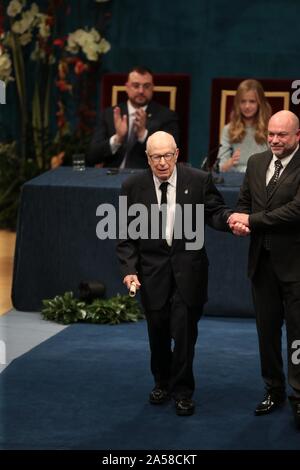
{"x": 114, "y": 146}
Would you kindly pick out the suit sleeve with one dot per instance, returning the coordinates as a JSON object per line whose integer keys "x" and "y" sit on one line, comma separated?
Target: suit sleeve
{"x": 244, "y": 200}
{"x": 99, "y": 148}
{"x": 127, "y": 249}
{"x": 215, "y": 210}
{"x": 287, "y": 214}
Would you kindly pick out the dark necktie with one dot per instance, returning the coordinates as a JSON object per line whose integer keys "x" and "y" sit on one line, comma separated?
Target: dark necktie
{"x": 272, "y": 183}
{"x": 270, "y": 188}
{"x": 164, "y": 188}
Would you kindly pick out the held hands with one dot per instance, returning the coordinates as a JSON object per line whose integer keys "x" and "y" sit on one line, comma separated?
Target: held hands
{"x": 239, "y": 224}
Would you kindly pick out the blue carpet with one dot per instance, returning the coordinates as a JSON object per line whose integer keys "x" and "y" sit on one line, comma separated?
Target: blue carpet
{"x": 87, "y": 388}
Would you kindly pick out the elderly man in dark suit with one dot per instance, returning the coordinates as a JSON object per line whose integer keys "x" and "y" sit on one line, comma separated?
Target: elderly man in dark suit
{"x": 120, "y": 138}
{"x": 269, "y": 204}
{"x": 172, "y": 275}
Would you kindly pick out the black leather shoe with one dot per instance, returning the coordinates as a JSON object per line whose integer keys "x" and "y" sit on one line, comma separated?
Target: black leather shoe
{"x": 158, "y": 396}
{"x": 295, "y": 404}
{"x": 268, "y": 405}
{"x": 184, "y": 407}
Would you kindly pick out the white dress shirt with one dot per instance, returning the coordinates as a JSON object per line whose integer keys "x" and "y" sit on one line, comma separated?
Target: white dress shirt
{"x": 284, "y": 161}
{"x": 171, "y": 202}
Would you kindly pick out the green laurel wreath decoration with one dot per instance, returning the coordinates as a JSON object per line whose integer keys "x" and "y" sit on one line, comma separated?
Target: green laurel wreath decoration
{"x": 67, "y": 309}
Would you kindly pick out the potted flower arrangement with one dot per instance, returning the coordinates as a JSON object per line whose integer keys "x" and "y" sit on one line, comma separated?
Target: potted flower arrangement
{"x": 51, "y": 74}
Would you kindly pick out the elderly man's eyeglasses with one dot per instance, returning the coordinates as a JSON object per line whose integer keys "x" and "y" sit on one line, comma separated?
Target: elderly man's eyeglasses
{"x": 157, "y": 158}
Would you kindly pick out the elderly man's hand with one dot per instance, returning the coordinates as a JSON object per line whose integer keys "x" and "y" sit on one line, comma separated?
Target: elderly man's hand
{"x": 131, "y": 278}
{"x": 240, "y": 229}
{"x": 239, "y": 224}
{"x": 238, "y": 217}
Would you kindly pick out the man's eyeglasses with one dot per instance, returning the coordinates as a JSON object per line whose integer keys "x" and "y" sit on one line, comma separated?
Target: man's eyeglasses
{"x": 167, "y": 156}
{"x": 145, "y": 86}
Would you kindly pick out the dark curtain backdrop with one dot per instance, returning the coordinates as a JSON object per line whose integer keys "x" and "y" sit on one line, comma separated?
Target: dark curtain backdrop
{"x": 205, "y": 38}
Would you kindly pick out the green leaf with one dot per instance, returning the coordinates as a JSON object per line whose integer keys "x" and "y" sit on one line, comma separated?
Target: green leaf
{"x": 67, "y": 309}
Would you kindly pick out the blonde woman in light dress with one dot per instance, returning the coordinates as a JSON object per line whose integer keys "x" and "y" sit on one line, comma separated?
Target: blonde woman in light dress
{"x": 246, "y": 133}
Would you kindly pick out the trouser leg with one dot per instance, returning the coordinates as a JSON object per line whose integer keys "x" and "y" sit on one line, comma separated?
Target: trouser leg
{"x": 158, "y": 323}
{"x": 292, "y": 318}
{"x": 269, "y": 309}
{"x": 184, "y": 331}
{"x": 176, "y": 323}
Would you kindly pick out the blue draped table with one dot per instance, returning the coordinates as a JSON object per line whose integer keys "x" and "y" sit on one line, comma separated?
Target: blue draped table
{"x": 57, "y": 246}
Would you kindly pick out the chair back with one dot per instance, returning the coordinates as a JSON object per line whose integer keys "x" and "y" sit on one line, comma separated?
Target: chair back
{"x": 277, "y": 91}
{"x": 171, "y": 90}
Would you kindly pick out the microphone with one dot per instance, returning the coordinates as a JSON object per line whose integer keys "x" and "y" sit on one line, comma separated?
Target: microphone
{"x": 216, "y": 165}
{"x": 206, "y": 162}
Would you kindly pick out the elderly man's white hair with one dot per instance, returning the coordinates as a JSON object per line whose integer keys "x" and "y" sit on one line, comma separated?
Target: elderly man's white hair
{"x": 160, "y": 138}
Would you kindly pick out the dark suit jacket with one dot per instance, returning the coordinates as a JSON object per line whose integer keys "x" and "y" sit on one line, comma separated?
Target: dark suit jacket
{"x": 278, "y": 215}
{"x": 159, "y": 118}
{"x": 153, "y": 260}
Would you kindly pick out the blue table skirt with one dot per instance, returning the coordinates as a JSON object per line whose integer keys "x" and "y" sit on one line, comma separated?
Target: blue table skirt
{"x": 57, "y": 246}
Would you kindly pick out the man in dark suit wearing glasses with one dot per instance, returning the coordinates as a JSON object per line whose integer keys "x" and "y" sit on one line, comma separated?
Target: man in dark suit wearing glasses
{"x": 171, "y": 273}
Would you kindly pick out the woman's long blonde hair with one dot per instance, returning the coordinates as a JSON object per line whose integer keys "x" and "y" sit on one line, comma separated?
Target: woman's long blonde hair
{"x": 237, "y": 129}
